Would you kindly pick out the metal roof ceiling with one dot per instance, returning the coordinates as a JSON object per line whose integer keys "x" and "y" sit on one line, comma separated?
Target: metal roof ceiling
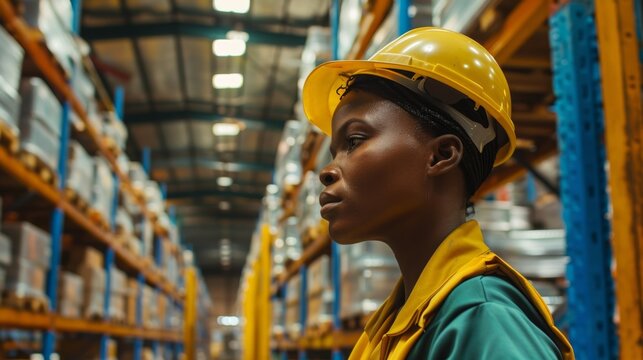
{"x": 160, "y": 52}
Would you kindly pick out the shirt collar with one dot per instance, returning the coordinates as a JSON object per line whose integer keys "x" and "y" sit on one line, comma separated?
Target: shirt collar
{"x": 461, "y": 246}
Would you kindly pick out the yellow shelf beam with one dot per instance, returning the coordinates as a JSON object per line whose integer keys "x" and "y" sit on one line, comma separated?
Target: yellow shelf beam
{"x": 335, "y": 340}
{"x": 621, "y": 80}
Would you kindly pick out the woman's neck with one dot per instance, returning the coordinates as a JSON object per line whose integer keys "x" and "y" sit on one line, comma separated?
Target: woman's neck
{"x": 414, "y": 245}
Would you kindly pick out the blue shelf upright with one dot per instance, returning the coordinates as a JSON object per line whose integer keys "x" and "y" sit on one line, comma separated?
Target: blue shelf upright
{"x": 583, "y": 180}
{"x": 58, "y": 216}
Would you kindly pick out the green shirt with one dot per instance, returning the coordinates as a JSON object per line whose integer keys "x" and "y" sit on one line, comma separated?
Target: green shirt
{"x": 486, "y": 317}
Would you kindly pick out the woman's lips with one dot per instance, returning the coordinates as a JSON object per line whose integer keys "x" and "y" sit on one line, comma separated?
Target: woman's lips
{"x": 328, "y": 209}
{"x": 328, "y": 203}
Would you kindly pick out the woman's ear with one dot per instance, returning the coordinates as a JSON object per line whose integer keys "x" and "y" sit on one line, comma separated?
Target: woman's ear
{"x": 445, "y": 154}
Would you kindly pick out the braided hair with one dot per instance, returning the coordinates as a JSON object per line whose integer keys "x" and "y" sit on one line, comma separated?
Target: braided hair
{"x": 475, "y": 165}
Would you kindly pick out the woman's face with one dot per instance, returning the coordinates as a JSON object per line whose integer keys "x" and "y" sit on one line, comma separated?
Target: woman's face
{"x": 377, "y": 179}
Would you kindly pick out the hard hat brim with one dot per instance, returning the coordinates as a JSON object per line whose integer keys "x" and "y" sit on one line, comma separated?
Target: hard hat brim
{"x": 320, "y": 95}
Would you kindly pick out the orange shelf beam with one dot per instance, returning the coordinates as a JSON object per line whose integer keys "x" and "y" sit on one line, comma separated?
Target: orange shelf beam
{"x": 11, "y": 318}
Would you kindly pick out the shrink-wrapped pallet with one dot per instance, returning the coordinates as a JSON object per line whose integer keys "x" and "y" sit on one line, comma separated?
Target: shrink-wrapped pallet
{"x": 103, "y": 188}
{"x": 53, "y": 18}
{"x": 320, "y": 293}
{"x": 369, "y": 274}
{"x": 26, "y": 279}
{"x": 11, "y": 59}
{"x": 293, "y": 294}
{"x": 131, "y": 299}
{"x": 80, "y": 171}
{"x": 94, "y": 294}
{"x": 9, "y": 108}
{"x": 39, "y": 104}
{"x": 29, "y": 242}
{"x": 70, "y": 294}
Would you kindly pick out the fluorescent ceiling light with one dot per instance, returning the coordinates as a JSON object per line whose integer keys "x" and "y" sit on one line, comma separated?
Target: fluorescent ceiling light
{"x": 224, "y": 181}
{"x": 226, "y": 129}
{"x": 237, "y": 35}
{"x": 228, "y": 47}
{"x": 227, "y": 81}
{"x": 224, "y": 205}
{"x": 235, "y": 6}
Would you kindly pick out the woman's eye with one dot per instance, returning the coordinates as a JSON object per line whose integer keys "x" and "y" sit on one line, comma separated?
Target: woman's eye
{"x": 354, "y": 141}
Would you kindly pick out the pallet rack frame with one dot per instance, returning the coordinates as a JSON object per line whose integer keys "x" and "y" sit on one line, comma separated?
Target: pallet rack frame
{"x": 623, "y": 114}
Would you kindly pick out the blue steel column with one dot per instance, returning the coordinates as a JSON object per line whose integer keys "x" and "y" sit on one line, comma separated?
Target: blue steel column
{"x": 404, "y": 20}
{"x": 138, "y": 342}
{"x": 109, "y": 263}
{"x": 58, "y": 216}
{"x": 109, "y": 254}
{"x": 303, "y": 305}
{"x": 583, "y": 180}
{"x": 284, "y": 292}
{"x": 57, "y": 223}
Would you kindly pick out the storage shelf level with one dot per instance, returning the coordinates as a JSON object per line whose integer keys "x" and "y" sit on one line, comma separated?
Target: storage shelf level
{"x": 11, "y": 318}
{"x": 30, "y": 180}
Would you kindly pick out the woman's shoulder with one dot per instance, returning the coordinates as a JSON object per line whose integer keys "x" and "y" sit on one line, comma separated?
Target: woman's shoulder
{"x": 486, "y": 316}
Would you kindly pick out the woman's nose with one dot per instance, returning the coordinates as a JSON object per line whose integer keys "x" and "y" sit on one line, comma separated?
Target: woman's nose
{"x": 329, "y": 175}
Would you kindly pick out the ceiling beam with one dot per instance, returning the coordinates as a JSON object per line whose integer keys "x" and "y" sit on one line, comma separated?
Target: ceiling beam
{"x": 173, "y": 28}
{"x": 518, "y": 27}
{"x": 213, "y": 192}
{"x": 206, "y": 181}
{"x": 188, "y": 219}
{"x": 170, "y": 116}
{"x": 208, "y": 163}
{"x": 107, "y": 13}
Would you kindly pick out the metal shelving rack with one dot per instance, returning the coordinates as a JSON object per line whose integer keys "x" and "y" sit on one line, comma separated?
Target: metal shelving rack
{"x": 579, "y": 108}
{"x": 63, "y": 210}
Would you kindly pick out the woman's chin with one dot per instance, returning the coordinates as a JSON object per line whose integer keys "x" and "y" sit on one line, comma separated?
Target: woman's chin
{"x": 344, "y": 234}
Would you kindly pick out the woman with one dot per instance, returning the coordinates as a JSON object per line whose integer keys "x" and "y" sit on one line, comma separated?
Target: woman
{"x": 415, "y": 131}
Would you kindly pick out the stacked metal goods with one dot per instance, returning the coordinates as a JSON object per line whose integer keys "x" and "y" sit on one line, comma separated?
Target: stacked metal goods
{"x": 27, "y": 271}
{"x": 11, "y": 58}
{"x": 70, "y": 296}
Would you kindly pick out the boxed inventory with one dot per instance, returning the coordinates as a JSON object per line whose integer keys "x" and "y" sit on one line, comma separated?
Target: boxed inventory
{"x": 70, "y": 294}
{"x": 11, "y": 59}
{"x": 29, "y": 242}
{"x": 40, "y": 104}
{"x": 369, "y": 273}
{"x": 103, "y": 188}
{"x": 292, "y": 324}
{"x": 26, "y": 279}
{"x": 320, "y": 293}
{"x": 53, "y": 19}
{"x": 38, "y": 140}
{"x": 9, "y": 108}
{"x": 114, "y": 129}
{"x": 79, "y": 171}
{"x": 84, "y": 88}
{"x": 150, "y": 308}
{"x": 130, "y": 306}
{"x": 94, "y": 294}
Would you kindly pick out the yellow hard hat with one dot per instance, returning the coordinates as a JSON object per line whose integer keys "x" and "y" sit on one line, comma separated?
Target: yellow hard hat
{"x": 440, "y": 56}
